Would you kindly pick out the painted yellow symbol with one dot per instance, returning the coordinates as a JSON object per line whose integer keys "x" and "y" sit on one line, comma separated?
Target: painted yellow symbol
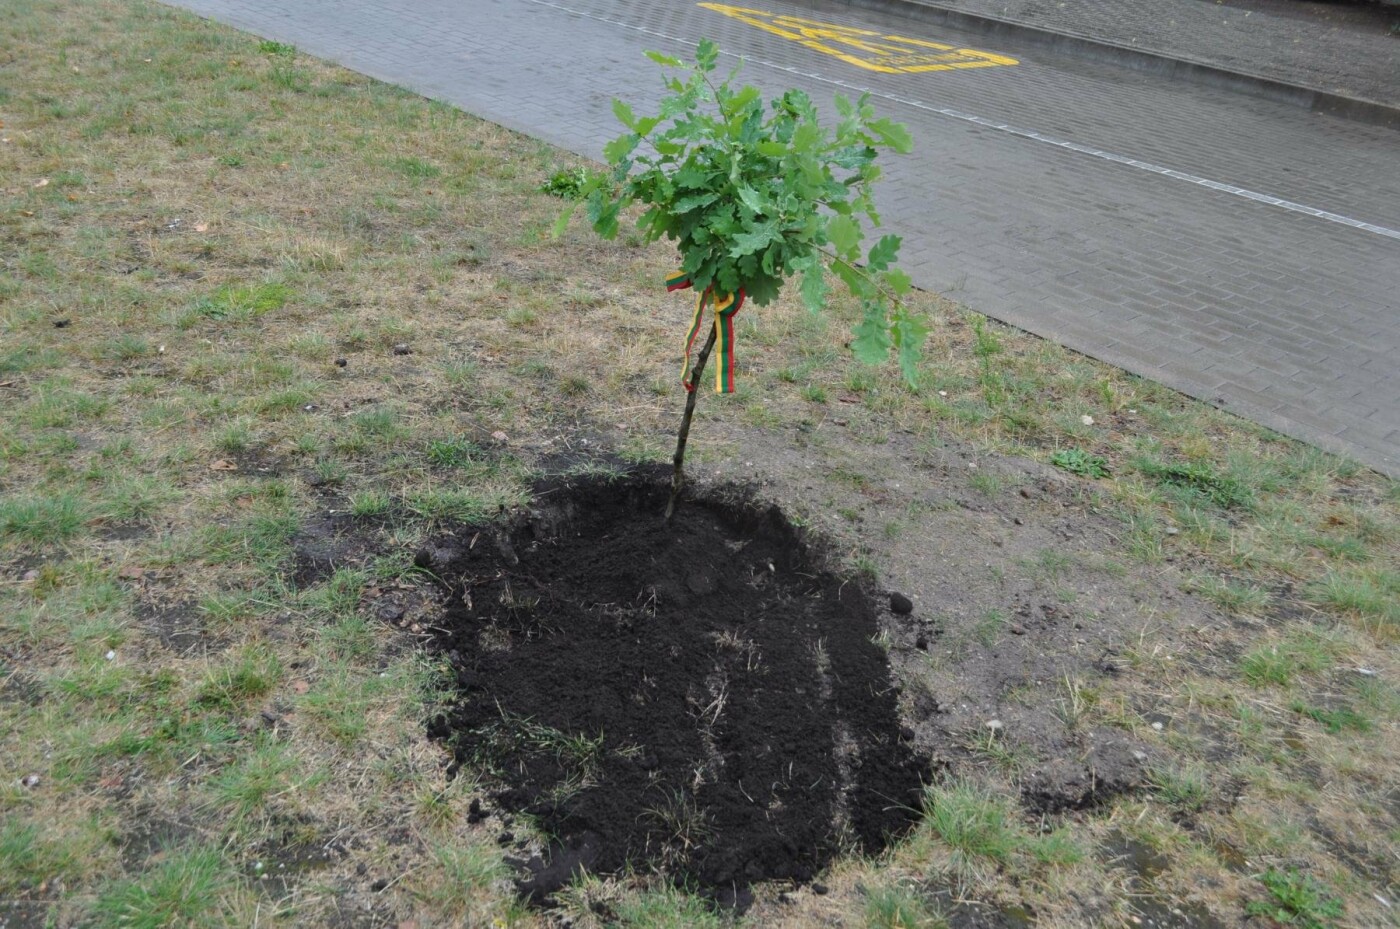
{"x": 874, "y": 51}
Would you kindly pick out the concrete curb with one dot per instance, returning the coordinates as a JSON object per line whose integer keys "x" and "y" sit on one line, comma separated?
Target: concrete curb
{"x": 1162, "y": 65}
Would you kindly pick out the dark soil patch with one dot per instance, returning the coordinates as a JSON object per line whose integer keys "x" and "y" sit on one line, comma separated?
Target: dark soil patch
{"x": 1108, "y": 764}
{"x": 277, "y": 864}
{"x": 703, "y": 699}
{"x": 23, "y": 914}
{"x": 180, "y": 627}
{"x": 329, "y": 541}
{"x": 18, "y": 687}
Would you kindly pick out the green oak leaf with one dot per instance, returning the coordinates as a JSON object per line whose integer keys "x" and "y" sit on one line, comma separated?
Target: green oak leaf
{"x": 623, "y": 112}
{"x": 664, "y": 60}
{"x": 871, "y": 344}
{"x": 895, "y": 135}
{"x": 620, "y": 147}
{"x": 844, "y": 234}
{"x": 884, "y": 252}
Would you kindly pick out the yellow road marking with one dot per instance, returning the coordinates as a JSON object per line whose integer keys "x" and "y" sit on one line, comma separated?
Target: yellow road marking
{"x": 874, "y": 51}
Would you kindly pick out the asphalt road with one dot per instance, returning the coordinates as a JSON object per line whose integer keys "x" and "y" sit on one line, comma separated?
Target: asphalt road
{"x": 1243, "y": 251}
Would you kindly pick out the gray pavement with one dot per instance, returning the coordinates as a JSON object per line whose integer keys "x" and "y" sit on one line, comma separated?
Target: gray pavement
{"x": 1332, "y": 47}
{"x": 1244, "y": 251}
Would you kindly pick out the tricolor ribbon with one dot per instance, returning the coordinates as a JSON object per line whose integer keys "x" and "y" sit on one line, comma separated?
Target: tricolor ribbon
{"x": 725, "y": 308}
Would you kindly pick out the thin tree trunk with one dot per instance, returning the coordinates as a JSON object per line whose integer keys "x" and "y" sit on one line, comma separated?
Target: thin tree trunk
{"x": 678, "y": 473}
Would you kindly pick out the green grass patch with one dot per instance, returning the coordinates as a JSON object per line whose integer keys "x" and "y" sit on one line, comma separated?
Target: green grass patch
{"x": 1199, "y": 481}
{"x": 1302, "y": 652}
{"x": 186, "y": 887}
{"x": 31, "y": 855}
{"x": 978, "y": 826}
{"x": 42, "y": 520}
{"x": 1234, "y": 596}
{"x": 249, "y": 676}
{"x": 1296, "y": 900}
{"x": 257, "y": 777}
{"x": 1371, "y": 595}
{"x": 892, "y": 906}
{"x": 1335, "y": 720}
{"x": 239, "y": 303}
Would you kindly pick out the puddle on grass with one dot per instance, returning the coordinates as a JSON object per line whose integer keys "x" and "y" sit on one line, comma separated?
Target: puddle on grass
{"x": 1143, "y": 862}
{"x": 1231, "y": 857}
{"x": 276, "y": 869}
{"x": 1144, "y": 865}
{"x": 1155, "y": 913}
{"x": 967, "y": 914}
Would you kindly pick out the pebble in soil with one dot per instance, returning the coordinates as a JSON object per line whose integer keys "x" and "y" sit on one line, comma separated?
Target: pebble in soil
{"x": 701, "y": 698}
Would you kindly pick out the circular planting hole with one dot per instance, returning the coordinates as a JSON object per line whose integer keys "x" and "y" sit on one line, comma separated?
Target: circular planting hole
{"x": 702, "y": 699}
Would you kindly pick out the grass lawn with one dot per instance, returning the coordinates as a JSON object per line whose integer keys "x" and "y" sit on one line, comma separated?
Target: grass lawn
{"x": 265, "y": 325}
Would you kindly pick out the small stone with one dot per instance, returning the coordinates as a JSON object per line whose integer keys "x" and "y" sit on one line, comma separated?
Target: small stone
{"x": 821, "y": 890}
{"x": 500, "y": 436}
{"x": 1157, "y": 727}
{"x": 110, "y": 656}
{"x": 30, "y": 780}
{"x": 1017, "y": 629}
{"x": 341, "y": 362}
{"x": 901, "y": 604}
{"x": 1087, "y": 420}
{"x": 437, "y": 557}
{"x": 700, "y": 582}
{"x": 1172, "y": 530}
{"x": 31, "y": 575}
{"x": 1139, "y": 756}
{"x": 402, "y": 349}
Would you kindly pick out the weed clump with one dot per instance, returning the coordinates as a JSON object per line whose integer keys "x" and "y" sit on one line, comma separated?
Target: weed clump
{"x": 1296, "y": 900}
{"x": 1078, "y": 461}
{"x": 1200, "y": 481}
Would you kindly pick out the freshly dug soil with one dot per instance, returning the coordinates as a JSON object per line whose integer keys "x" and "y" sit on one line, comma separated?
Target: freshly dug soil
{"x": 700, "y": 698}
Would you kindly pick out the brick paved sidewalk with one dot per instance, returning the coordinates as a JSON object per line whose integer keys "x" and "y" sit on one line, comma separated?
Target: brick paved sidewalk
{"x": 1332, "y": 47}
{"x": 1171, "y": 229}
